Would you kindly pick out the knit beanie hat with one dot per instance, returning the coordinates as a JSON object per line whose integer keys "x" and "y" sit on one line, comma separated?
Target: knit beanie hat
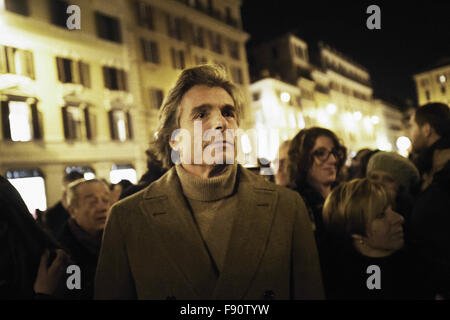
{"x": 402, "y": 170}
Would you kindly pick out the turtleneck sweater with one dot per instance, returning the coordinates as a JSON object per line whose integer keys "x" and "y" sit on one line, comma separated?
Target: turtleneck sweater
{"x": 213, "y": 203}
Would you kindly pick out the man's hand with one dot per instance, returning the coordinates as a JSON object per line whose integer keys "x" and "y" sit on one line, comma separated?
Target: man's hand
{"x": 48, "y": 278}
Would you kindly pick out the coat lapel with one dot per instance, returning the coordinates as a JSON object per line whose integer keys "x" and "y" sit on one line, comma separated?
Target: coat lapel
{"x": 249, "y": 236}
{"x": 170, "y": 218}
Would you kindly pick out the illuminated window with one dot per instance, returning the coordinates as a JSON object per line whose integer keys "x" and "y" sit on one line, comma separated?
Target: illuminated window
{"x": 122, "y": 172}
{"x": 21, "y": 121}
{"x": 120, "y": 125}
{"x": 16, "y": 61}
{"x": 79, "y": 123}
{"x": 30, "y": 183}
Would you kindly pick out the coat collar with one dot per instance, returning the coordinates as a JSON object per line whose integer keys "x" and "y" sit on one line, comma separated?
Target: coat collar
{"x": 170, "y": 217}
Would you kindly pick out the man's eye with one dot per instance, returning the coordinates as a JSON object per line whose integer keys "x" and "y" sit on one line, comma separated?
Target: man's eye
{"x": 200, "y": 115}
{"x": 228, "y": 114}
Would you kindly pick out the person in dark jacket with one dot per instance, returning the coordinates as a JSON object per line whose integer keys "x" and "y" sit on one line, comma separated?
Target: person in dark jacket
{"x": 316, "y": 158}
{"x": 430, "y": 219}
{"x": 28, "y": 269}
{"x": 363, "y": 256}
{"x": 88, "y": 204}
{"x": 56, "y": 216}
{"x": 154, "y": 171}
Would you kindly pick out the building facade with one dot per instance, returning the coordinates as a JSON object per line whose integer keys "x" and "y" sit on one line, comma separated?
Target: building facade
{"x": 88, "y": 98}
{"x": 334, "y": 92}
{"x": 433, "y": 84}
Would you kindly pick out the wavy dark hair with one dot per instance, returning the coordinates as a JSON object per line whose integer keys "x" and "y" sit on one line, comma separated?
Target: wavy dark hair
{"x": 300, "y": 157}
{"x": 169, "y": 114}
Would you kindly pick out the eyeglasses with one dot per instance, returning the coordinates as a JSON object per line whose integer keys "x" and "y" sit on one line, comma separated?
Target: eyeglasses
{"x": 322, "y": 154}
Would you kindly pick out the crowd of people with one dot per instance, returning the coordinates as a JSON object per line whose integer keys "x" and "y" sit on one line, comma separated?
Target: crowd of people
{"x": 377, "y": 229}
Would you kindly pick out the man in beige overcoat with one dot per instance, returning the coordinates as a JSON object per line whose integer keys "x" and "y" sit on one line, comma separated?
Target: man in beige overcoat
{"x": 208, "y": 228}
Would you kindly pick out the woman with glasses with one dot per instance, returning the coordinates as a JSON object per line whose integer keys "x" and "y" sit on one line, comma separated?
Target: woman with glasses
{"x": 315, "y": 160}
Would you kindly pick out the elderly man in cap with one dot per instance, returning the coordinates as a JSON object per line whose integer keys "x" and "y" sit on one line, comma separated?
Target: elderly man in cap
{"x": 207, "y": 229}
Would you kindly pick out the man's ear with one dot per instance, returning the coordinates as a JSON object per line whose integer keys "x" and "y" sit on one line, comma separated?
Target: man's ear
{"x": 426, "y": 130}
{"x": 71, "y": 211}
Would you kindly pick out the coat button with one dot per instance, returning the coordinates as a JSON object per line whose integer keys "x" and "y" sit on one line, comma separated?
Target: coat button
{"x": 171, "y": 298}
{"x": 269, "y": 295}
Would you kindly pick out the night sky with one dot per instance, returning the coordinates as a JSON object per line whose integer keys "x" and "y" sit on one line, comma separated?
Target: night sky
{"x": 414, "y": 35}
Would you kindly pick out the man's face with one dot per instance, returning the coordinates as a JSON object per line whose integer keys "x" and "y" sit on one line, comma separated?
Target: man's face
{"x": 213, "y": 109}
{"x": 92, "y": 207}
{"x": 417, "y": 136}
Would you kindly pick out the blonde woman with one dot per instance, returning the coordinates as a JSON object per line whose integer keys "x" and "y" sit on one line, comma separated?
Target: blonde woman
{"x": 364, "y": 255}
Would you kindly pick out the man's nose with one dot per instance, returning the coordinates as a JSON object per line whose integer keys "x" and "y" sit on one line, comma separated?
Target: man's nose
{"x": 218, "y": 121}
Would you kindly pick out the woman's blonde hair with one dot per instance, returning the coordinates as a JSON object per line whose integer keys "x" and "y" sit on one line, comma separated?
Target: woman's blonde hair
{"x": 352, "y": 205}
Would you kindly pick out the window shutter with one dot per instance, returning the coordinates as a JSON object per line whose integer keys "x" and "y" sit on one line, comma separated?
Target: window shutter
{"x": 129, "y": 126}
{"x": 112, "y": 125}
{"x": 174, "y": 61}
{"x": 3, "y": 63}
{"x": 182, "y": 63}
{"x": 87, "y": 122}
{"x": 30, "y": 64}
{"x": 115, "y": 26}
{"x": 65, "y": 117}
{"x": 60, "y": 67}
{"x": 11, "y": 64}
{"x": 84, "y": 74}
{"x": 155, "y": 52}
{"x": 106, "y": 78}
{"x": 125, "y": 80}
{"x": 35, "y": 117}
{"x": 5, "y": 120}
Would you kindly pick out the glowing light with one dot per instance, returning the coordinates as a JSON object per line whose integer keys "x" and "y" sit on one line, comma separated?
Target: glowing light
{"x": 300, "y": 121}
{"x": 368, "y": 124}
{"x": 349, "y": 122}
{"x": 357, "y": 115}
{"x": 89, "y": 175}
{"x": 442, "y": 78}
{"x": 32, "y": 191}
{"x": 375, "y": 119}
{"x": 403, "y": 143}
{"x": 121, "y": 129}
{"x": 246, "y": 145}
{"x": 292, "y": 122}
{"x": 383, "y": 144}
{"x": 123, "y": 174}
{"x": 322, "y": 117}
{"x": 19, "y": 120}
{"x": 155, "y": 135}
{"x": 285, "y": 97}
{"x": 331, "y": 108}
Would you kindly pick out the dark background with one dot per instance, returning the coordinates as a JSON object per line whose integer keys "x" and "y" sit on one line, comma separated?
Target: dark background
{"x": 413, "y": 36}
